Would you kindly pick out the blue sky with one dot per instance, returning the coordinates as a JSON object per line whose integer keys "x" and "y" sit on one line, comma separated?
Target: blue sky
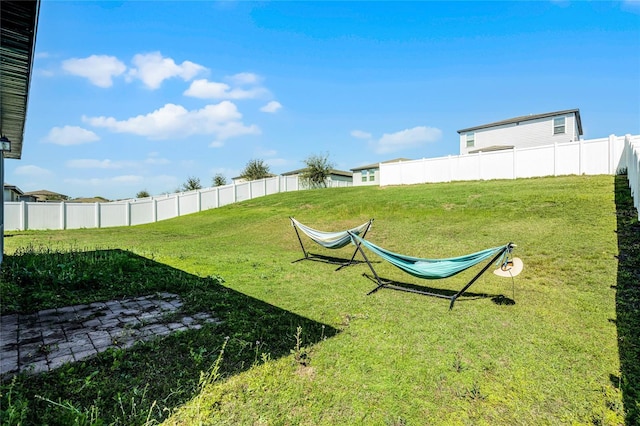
{"x": 131, "y": 96}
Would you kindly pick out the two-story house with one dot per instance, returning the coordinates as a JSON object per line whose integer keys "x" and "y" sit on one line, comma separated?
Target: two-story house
{"x": 522, "y": 132}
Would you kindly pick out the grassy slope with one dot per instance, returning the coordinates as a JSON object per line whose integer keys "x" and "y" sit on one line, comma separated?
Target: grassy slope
{"x": 403, "y": 358}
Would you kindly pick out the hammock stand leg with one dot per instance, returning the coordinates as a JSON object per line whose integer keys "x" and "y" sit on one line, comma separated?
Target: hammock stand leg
{"x": 356, "y": 250}
{"x": 496, "y": 257}
{"x": 306, "y": 254}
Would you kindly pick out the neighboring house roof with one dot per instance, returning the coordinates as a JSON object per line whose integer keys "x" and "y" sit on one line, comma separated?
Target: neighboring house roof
{"x": 18, "y": 24}
{"x": 522, "y": 118}
{"x": 89, "y": 200}
{"x": 47, "y": 195}
{"x": 13, "y": 188}
{"x": 377, "y": 165}
{"x": 491, "y": 148}
{"x": 332, "y": 171}
{"x": 240, "y": 177}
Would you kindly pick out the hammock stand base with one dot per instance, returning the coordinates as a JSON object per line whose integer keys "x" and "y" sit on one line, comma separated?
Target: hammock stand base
{"x": 327, "y": 259}
{"x": 387, "y": 284}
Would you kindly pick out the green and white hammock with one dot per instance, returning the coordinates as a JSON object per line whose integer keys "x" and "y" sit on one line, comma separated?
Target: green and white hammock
{"x": 329, "y": 240}
{"x": 432, "y": 269}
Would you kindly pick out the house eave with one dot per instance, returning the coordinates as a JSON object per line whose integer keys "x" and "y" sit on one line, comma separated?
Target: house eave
{"x": 525, "y": 118}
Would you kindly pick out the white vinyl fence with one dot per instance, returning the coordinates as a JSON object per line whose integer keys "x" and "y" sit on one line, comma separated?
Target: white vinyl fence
{"x": 631, "y": 161}
{"x": 24, "y": 215}
{"x": 598, "y": 156}
{"x": 589, "y": 157}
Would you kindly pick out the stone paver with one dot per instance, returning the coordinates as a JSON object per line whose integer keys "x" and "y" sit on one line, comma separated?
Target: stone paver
{"x": 51, "y": 338}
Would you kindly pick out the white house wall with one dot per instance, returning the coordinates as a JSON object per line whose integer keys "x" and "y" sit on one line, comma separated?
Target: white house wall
{"x": 525, "y": 134}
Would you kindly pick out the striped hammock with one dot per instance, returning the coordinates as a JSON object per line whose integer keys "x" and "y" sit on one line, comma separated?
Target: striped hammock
{"x": 331, "y": 240}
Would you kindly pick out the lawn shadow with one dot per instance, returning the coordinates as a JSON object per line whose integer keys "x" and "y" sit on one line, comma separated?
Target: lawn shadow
{"x": 498, "y": 299}
{"x": 165, "y": 371}
{"x": 628, "y": 300}
{"x": 332, "y": 260}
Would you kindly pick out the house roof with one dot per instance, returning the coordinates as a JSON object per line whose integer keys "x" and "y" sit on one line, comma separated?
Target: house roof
{"x": 491, "y": 148}
{"x": 13, "y": 188}
{"x": 332, "y": 171}
{"x": 522, "y": 118}
{"x": 377, "y": 165}
{"x": 18, "y": 24}
{"x": 45, "y": 193}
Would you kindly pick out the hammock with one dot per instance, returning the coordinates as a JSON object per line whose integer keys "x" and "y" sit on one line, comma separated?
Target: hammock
{"x": 329, "y": 240}
{"x": 432, "y": 269}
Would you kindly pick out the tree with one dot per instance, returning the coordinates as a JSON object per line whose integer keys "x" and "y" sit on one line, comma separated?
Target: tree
{"x": 191, "y": 184}
{"x": 254, "y": 170}
{"x": 143, "y": 194}
{"x": 219, "y": 180}
{"x": 317, "y": 171}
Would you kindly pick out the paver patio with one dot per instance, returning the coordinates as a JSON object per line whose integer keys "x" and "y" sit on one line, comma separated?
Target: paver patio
{"x": 50, "y": 338}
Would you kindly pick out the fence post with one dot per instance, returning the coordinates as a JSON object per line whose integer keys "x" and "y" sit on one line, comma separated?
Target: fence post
{"x": 555, "y": 158}
{"x": 154, "y": 210}
{"x": 97, "y": 215}
{"x": 177, "y": 205}
{"x": 23, "y": 216}
{"x": 127, "y": 213}
{"x": 580, "y": 158}
{"x": 63, "y": 212}
{"x": 217, "y": 199}
{"x": 199, "y": 201}
{"x": 612, "y": 144}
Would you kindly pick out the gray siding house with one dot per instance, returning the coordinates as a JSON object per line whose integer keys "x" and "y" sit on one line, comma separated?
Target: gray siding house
{"x": 370, "y": 174}
{"x": 523, "y": 132}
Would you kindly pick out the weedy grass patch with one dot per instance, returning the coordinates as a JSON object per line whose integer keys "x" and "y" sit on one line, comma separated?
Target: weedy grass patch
{"x": 304, "y": 344}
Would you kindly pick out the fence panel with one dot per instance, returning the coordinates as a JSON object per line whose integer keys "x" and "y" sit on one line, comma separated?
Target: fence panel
{"x": 257, "y": 188}
{"x": 44, "y": 215}
{"x": 189, "y": 202}
{"x": 167, "y": 208}
{"x": 243, "y": 191}
{"x": 14, "y": 216}
{"x": 209, "y": 198}
{"x": 533, "y": 162}
{"x": 142, "y": 211}
{"x": 496, "y": 165}
{"x": 114, "y": 214}
{"x": 80, "y": 215}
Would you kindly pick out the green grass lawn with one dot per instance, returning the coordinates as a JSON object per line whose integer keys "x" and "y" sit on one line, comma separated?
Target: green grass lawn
{"x": 304, "y": 344}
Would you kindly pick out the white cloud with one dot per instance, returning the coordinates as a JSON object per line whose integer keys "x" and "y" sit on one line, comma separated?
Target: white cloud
{"x": 175, "y": 121}
{"x": 157, "y": 161}
{"x": 408, "y": 138}
{"x": 360, "y": 134}
{"x": 152, "y": 69}
{"x": 243, "y": 78}
{"x": 96, "y": 164}
{"x": 204, "y": 89}
{"x": 70, "y": 135}
{"x": 631, "y": 6}
{"x": 31, "y": 170}
{"x": 99, "y": 69}
{"x": 216, "y": 144}
{"x": 106, "y": 182}
{"x": 271, "y": 107}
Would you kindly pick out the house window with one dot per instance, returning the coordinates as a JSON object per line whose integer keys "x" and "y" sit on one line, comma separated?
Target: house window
{"x": 364, "y": 175}
{"x": 372, "y": 175}
{"x": 558, "y": 125}
{"x": 471, "y": 140}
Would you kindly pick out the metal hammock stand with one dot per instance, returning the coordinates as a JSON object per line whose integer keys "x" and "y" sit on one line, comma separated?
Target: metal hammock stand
{"x": 329, "y": 240}
{"x": 432, "y": 268}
